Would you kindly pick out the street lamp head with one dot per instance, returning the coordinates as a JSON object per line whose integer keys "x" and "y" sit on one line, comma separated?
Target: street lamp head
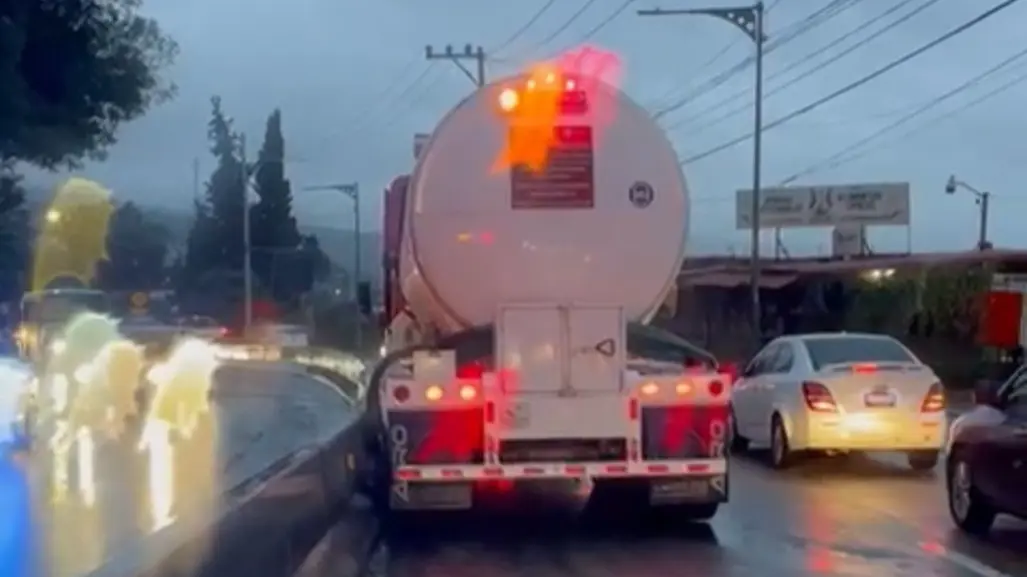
{"x": 950, "y": 186}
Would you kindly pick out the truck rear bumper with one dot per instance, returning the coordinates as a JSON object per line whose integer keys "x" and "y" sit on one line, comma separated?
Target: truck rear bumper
{"x": 528, "y": 471}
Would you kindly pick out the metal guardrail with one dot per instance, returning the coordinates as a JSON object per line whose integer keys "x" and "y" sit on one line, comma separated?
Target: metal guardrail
{"x": 280, "y": 516}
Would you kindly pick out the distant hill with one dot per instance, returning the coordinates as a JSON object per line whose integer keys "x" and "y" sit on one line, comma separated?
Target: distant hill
{"x": 337, "y": 243}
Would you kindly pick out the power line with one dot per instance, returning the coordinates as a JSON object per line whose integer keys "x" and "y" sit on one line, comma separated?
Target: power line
{"x": 563, "y": 27}
{"x": 813, "y": 54}
{"x": 524, "y": 28}
{"x": 789, "y": 33}
{"x": 607, "y": 21}
{"x": 716, "y": 56}
{"x": 857, "y": 83}
{"x": 846, "y": 154}
{"x": 379, "y": 100}
{"x": 387, "y": 104}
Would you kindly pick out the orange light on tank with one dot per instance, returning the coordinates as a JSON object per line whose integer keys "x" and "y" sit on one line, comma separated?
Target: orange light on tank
{"x": 433, "y": 393}
{"x": 468, "y": 392}
{"x": 650, "y": 389}
{"x": 509, "y": 99}
{"x": 683, "y": 388}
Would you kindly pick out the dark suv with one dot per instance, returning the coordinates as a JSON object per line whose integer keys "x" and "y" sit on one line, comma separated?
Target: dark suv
{"x": 986, "y": 466}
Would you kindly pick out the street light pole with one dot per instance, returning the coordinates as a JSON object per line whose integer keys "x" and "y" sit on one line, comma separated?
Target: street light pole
{"x": 247, "y": 272}
{"x": 748, "y": 19}
{"x": 982, "y": 198}
{"x": 351, "y": 190}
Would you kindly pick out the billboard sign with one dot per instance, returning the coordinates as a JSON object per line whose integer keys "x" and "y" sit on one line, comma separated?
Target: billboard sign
{"x": 833, "y": 205}
{"x": 848, "y": 240}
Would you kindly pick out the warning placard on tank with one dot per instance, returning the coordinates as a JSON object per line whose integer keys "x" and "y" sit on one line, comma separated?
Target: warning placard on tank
{"x": 564, "y": 177}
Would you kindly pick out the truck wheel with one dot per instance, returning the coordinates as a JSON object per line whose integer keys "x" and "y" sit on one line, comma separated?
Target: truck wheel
{"x": 696, "y": 513}
{"x": 616, "y": 497}
{"x": 374, "y": 479}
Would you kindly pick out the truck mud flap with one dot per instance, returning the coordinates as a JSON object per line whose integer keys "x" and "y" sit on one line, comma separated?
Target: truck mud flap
{"x": 688, "y": 432}
{"x": 446, "y": 437}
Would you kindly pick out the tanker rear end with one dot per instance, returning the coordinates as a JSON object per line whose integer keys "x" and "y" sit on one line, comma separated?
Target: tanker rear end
{"x": 527, "y": 289}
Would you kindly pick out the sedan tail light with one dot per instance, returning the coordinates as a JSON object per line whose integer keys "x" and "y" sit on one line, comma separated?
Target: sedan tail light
{"x": 818, "y": 398}
{"x": 934, "y": 401}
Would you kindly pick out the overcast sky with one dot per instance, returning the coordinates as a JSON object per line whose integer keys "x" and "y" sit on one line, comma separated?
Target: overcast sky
{"x": 328, "y": 63}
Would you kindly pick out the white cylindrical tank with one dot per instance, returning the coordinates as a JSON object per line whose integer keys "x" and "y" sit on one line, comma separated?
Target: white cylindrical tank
{"x": 604, "y": 223}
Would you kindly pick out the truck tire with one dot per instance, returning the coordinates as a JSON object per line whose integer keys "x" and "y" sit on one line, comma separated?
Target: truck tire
{"x": 374, "y": 478}
{"x": 696, "y": 513}
{"x": 629, "y": 499}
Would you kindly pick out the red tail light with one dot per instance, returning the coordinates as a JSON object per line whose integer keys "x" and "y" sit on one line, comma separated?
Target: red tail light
{"x": 934, "y": 401}
{"x": 864, "y": 368}
{"x": 716, "y": 387}
{"x": 730, "y": 372}
{"x": 472, "y": 371}
{"x": 401, "y": 394}
{"x": 818, "y": 398}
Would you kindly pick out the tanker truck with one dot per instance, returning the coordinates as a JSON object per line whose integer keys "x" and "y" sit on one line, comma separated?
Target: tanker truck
{"x": 519, "y": 350}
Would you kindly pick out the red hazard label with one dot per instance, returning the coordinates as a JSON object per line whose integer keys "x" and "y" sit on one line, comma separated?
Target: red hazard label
{"x": 567, "y": 178}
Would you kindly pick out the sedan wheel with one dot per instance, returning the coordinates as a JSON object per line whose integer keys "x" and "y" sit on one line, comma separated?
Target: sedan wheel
{"x": 739, "y": 444}
{"x": 967, "y": 506}
{"x": 780, "y": 452}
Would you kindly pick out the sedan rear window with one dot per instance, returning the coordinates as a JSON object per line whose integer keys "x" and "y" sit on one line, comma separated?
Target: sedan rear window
{"x": 847, "y": 350}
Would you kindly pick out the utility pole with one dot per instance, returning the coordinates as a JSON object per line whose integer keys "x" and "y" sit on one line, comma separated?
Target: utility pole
{"x": 196, "y": 179}
{"x": 247, "y": 273}
{"x": 458, "y": 58}
{"x": 748, "y": 19}
{"x": 982, "y": 198}
{"x": 351, "y": 190}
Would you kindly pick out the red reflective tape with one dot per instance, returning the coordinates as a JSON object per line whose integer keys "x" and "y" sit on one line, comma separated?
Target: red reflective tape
{"x": 616, "y": 468}
{"x": 408, "y": 474}
{"x": 452, "y": 473}
{"x": 493, "y": 471}
{"x": 575, "y": 469}
{"x": 534, "y": 471}
{"x": 697, "y": 468}
{"x": 658, "y": 469}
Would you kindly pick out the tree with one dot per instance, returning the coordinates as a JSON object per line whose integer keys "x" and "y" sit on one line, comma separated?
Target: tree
{"x": 137, "y": 250}
{"x": 225, "y": 195}
{"x": 15, "y": 234}
{"x": 274, "y": 234}
{"x": 72, "y": 72}
{"x": 215, "y": 243}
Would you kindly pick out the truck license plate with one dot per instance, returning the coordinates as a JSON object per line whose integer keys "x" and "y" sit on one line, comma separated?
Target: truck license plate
{"x": 440, "y": 495}
{"x": 679, "y": 490}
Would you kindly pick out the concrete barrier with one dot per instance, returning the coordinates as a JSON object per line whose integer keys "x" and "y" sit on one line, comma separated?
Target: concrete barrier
{"x": 274, "y": 520}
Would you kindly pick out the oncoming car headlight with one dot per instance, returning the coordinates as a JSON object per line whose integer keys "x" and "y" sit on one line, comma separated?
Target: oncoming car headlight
{"x": 59, "y": 391}
{"x": 58, "y": 346}
{"x": 83, "y": 374}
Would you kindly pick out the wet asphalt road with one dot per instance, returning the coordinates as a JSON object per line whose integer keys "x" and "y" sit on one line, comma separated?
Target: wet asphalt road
{"x": 848, "y": 517}
{"x": 262, "y": 415}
